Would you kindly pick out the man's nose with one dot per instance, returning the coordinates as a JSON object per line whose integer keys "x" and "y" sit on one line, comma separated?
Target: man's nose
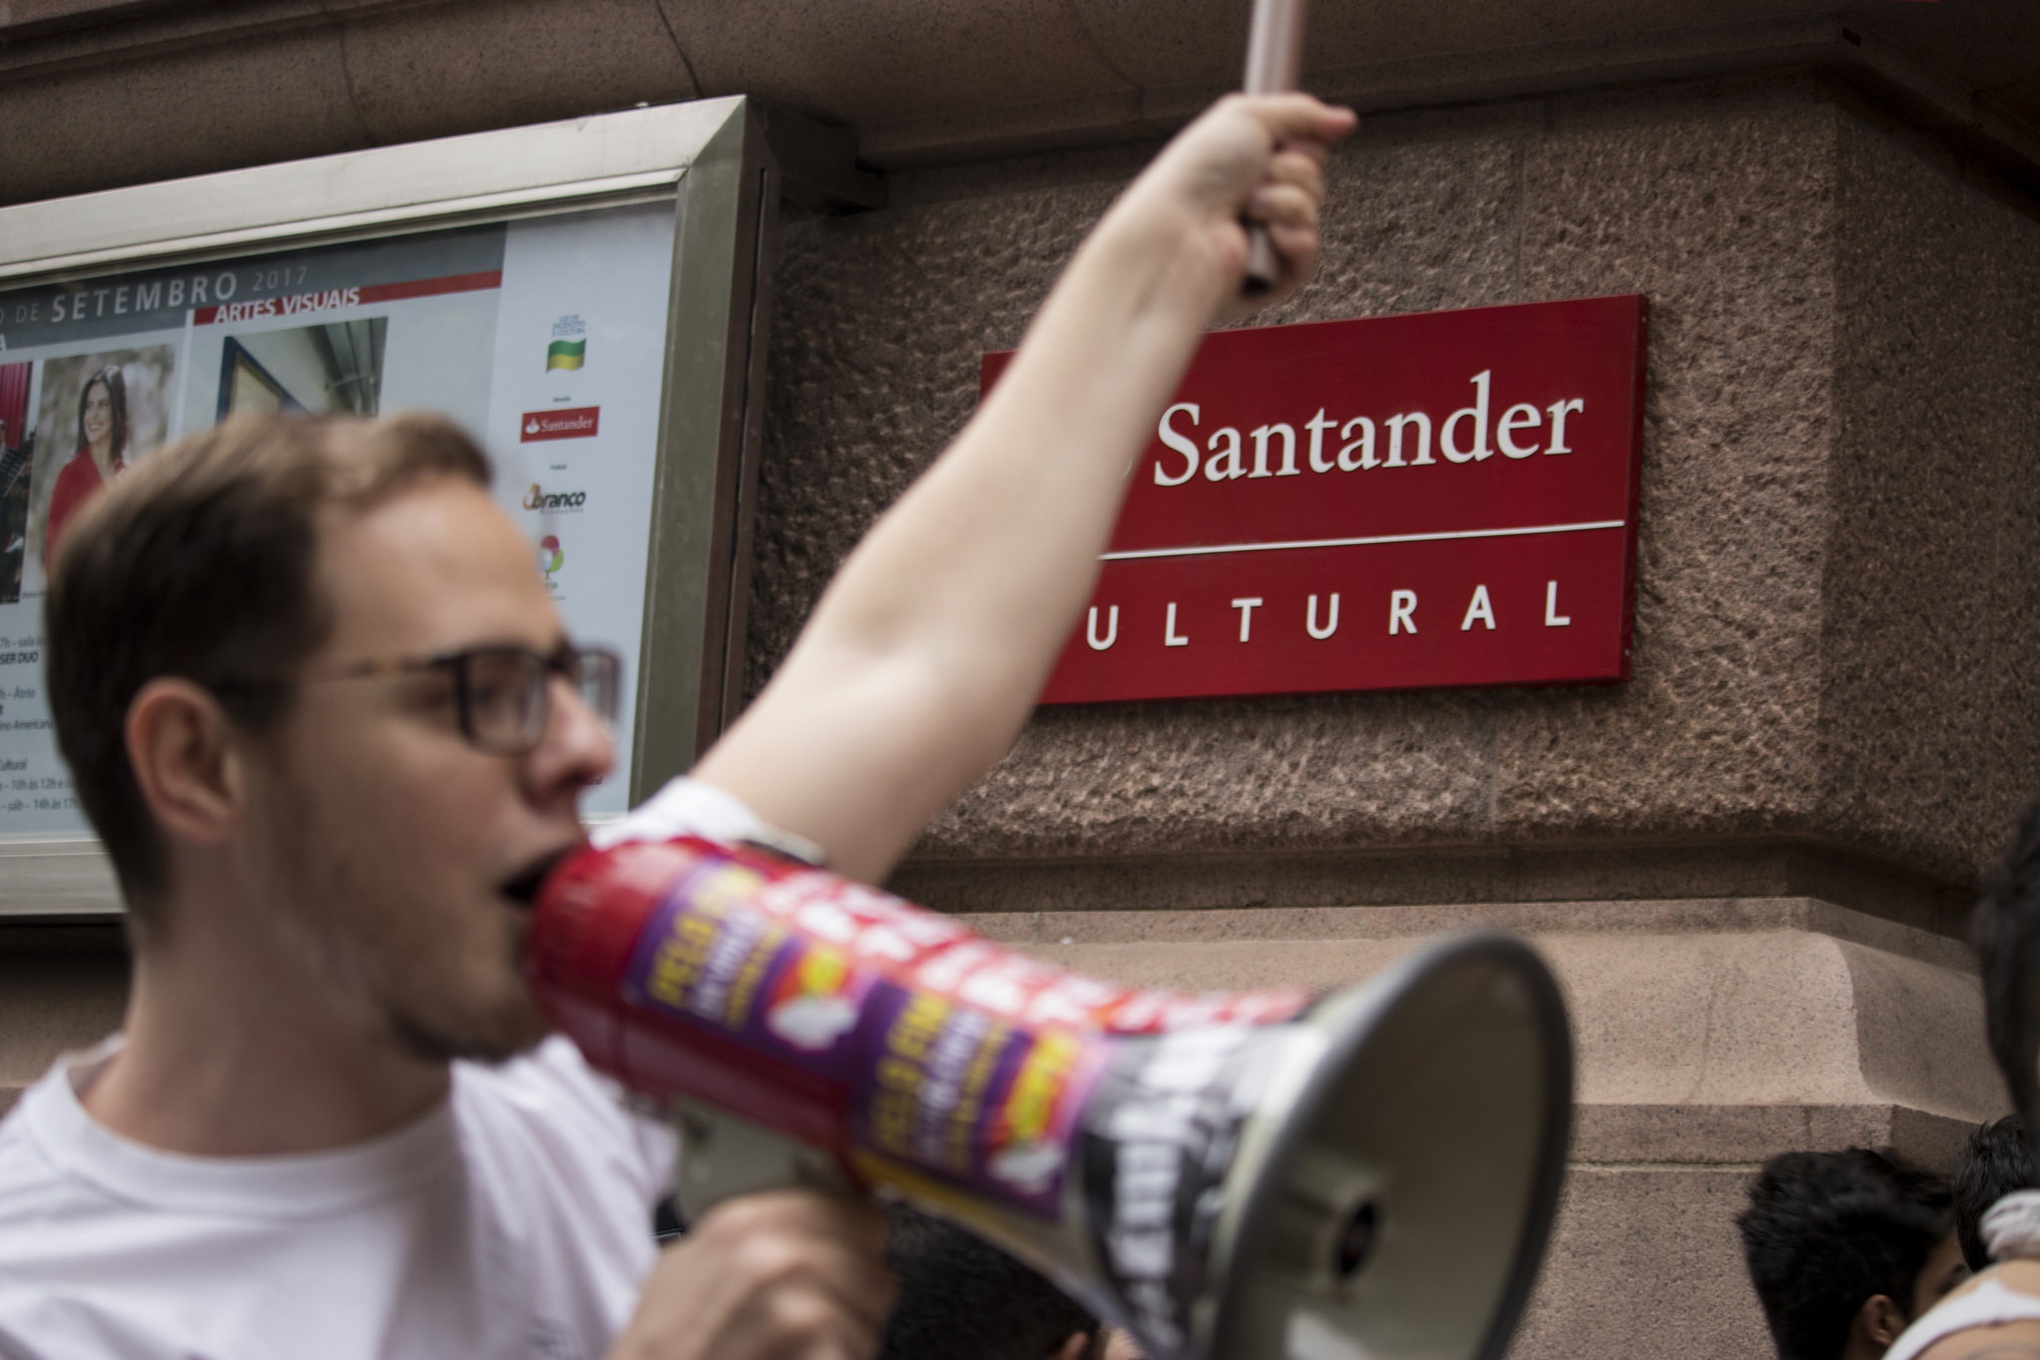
{"x": 577, "y": 749}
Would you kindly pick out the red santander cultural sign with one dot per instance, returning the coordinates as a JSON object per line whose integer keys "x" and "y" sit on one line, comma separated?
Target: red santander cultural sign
{"x": 1400, "y": 502}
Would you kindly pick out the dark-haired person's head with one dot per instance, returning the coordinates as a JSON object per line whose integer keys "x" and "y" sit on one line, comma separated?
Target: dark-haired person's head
{"x": 1847, "y": 1248}
{"x": 961, "y": 1299}
{"x": 1995, "y": 1162}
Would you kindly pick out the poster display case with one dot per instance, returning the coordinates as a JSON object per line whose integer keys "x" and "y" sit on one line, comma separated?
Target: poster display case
{"x": 587, "y": 298}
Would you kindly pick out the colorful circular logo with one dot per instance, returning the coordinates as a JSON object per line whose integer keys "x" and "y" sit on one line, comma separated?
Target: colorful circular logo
{"x": 549, "y": 555}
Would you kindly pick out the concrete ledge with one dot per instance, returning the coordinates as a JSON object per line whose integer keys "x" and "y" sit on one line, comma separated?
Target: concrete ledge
{"x": 1743, "y": 1136}
{"x": 1679, "y": 916}
{"x": 1722, "y": 1031}
{"x": 1624, "y": 877}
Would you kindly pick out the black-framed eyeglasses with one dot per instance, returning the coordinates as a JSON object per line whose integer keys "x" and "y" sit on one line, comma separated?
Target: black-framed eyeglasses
{"x": 503, "y": 694}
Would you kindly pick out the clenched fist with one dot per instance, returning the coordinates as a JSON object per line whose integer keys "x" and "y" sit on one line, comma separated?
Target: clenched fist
{"x": 782, "y": 1275}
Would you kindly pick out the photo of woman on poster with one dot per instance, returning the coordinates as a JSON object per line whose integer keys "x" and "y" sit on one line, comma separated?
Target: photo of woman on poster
{"x": 102, "y": 451}
{"x": 98, "y": 414}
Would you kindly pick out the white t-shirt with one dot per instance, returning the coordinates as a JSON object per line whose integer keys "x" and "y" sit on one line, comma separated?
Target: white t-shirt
{"x": 1990, "y": 1304}
{"x": 515, "y": 1220}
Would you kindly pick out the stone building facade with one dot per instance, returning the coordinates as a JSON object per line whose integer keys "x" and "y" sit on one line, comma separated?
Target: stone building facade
{"x": 1751, "y": 863}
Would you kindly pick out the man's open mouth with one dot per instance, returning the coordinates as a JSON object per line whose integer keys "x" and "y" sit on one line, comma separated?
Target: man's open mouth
{"x": 523, "y": 888}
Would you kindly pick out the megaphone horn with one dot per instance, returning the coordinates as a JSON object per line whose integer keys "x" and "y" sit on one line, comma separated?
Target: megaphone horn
{"x": 1363, "y": 1175}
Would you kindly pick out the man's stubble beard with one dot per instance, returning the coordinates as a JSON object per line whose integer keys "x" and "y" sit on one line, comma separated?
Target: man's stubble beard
{"x": 329, "y": 913}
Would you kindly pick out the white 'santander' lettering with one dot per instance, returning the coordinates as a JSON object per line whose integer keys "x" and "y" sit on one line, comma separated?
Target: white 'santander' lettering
{"x": 1471, "y": 434}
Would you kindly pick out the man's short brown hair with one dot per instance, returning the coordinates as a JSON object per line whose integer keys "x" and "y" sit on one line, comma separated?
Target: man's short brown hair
{"x": 201, "y": 562}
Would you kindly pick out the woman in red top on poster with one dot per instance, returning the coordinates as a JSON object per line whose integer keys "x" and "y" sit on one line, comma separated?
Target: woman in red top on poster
{"x": 102, "y": 451}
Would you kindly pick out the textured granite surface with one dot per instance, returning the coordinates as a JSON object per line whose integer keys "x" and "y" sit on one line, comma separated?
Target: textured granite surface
{"x": 87, "y": 127}
{"x": 1929, "y": 694}
{"x": 1831, "y": 629}
{"x": 1724, "y": 219}
{"x": 1646, "y": 1261}
{"x": 920, "y": 83}
{"x": 414, "y": 73}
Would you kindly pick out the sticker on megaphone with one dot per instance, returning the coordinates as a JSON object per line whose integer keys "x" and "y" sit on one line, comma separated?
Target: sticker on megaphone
{"x": 945, "y": 1053}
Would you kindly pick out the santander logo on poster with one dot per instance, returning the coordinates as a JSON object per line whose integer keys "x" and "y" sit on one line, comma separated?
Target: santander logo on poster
{"x": 1399, "y": 502}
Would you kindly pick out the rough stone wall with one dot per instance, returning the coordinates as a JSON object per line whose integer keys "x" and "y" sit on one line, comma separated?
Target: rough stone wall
{"x": 1767, "y": 677}
{"x": 1930, "y": 707}
{"x": 1724, "y": 217}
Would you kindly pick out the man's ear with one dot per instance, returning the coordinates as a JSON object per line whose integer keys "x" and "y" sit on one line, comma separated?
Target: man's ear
{"x": 184, "y": 755}
{"x": 1881, "y": 1320}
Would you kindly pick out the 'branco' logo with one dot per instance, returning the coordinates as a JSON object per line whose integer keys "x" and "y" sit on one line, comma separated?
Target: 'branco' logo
{"x": 539, "y": 499}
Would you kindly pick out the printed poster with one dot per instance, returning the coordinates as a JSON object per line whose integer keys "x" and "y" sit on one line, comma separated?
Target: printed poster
{"x": 544, "y": 338}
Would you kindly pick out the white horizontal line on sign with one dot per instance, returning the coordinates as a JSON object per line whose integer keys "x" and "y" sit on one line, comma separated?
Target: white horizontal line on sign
{"x": 1218, "y": 549}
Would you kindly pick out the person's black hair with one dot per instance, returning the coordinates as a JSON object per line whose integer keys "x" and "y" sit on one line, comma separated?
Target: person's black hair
{"x": 2006, "y": 933}
{"x": 1826, "y": 1231}
{"x": 962, "y": 1299}
{"x": 1995, "y": 1162}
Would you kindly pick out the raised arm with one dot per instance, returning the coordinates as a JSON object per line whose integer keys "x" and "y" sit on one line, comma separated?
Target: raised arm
{"x": 927, "y": 651}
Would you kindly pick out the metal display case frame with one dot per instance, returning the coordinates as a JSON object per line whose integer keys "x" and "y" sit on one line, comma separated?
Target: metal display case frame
{"x": 712, "y": 159}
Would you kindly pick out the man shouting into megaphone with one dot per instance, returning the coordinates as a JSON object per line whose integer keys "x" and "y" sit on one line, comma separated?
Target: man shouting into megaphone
{"x": 320, "y": 709}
